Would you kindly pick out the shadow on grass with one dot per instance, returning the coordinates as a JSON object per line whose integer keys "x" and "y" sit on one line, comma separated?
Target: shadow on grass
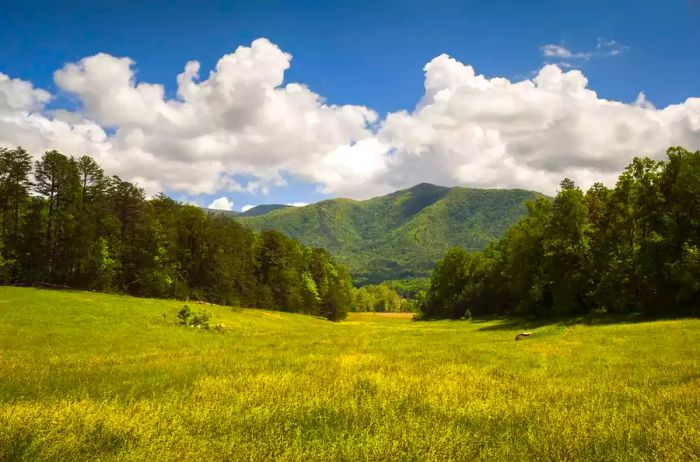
{"x": 515, "y": 323}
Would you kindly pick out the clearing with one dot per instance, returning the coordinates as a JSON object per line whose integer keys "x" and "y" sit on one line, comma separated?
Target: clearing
{"x": 93, "y": 376}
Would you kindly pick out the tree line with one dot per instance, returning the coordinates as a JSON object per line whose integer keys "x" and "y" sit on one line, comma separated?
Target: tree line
{"x": 385, "y": 298}
{"x": 64, "y": 222}
{"x": 632, "y": 248}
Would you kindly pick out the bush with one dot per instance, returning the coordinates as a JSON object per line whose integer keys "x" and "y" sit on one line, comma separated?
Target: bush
{"x": 194, "y": 318}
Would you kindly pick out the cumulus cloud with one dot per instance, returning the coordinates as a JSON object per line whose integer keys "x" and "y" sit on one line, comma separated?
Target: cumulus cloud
{"x": 496, "y": 133}
{"x": 20, "y": 96}
{"x": 222, "y": 203}
{"x": 23, "y": 122}
{"x": 245, "y": 208}
{"x": 244, "y": 121}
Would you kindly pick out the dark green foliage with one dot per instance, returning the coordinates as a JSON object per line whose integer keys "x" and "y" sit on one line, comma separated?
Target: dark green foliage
{"x": 89, "y": 231}
{"x": 378, "y": 298}
{"x": 403, "y": 234}
{"x": 15, "y": 166}
{"x": 449, "y": 283}
{"x": 409, "y": 288}
{"x": 194, "y": 318}
{"x": 399, "y": 296}
{"x": 633, "y": 248}
{"x": 333, "y": 285}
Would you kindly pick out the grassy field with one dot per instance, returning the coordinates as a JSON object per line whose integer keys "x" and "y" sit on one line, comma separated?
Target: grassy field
{"x": 86, "y": 376}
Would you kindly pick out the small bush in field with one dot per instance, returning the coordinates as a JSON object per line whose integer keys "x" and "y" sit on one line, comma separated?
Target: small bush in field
{"x": 194, "y": 318}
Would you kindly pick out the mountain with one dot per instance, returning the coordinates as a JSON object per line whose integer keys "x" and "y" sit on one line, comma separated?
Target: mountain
{"x": 400, "y": 235}
{"x": 262, "y": 210}
{"x": 256, "y": 211}
{"x": 232, "y": 213}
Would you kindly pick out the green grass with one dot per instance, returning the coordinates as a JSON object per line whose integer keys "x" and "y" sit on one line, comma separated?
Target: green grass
{"x": 85, "y": 376}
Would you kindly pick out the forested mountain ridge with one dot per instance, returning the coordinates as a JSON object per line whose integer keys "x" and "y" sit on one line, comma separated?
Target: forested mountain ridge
{"x": 402, "y": 234}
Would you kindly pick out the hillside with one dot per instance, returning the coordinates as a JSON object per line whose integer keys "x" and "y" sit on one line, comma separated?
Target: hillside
{"x": 231, "y": 213}
{"x": 262, "y": 210}
{"x": 88, "y": 376}
{"x": 402, "y": 234}
{"x": 254, "y": 212}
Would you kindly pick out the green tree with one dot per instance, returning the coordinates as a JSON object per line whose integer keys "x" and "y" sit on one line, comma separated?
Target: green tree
{"x": 333, "y": 284}
{"x": 447, "y": 282}
{"x": 280, "y": 267}
{"x": 57, "y": 180}
{"x": 15, "y": 167}
{"x": 631, "y": 248}
{"x": 680, "y": 186}
{"x": 566, "y": 247}
{"x": 522, "y": 251}
{"x": 91, "y": 254}
{"x": 128, "y": 244}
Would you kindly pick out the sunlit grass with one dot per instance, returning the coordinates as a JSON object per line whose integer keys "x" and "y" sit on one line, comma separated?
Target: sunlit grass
{"x": 85, "y": 376}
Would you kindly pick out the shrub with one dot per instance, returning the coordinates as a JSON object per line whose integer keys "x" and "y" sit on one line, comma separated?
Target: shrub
{"x": 194, "y": 318}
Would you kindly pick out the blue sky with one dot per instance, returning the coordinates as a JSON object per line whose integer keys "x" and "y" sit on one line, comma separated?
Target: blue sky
{"x": 363, "y": 53}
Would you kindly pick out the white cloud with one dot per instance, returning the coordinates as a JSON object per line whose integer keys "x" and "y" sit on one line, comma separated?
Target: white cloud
{"x": 245, "y": 208}
{"x": 610, "y": 47}
{"x": 222, "y": 203}
{"x": 20, "y": 96}
{"x": 560, "y": 51}
{"x": 244, "y": 120}
{"x": 475, "y": 131}
{"x": 566, "y": 56}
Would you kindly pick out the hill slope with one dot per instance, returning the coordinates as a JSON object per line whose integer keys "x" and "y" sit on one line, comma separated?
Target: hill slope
{"x": 232, "y": 213}
{"x": 262, "y": 210}
{"x": 402, "y": 234}
{"x": 254, "y": 212}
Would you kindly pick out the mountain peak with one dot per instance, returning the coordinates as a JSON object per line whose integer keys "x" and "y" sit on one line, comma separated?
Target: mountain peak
{"x": 404, "y": 233}
{"x": 263, "y": 209}
{"x": 427, "y": 187}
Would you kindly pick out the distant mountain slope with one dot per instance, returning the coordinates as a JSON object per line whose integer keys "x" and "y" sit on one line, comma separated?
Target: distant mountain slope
{"x": 256, "y": 211}
{"x": 232, "y": 213}
{"x": 262, "y": 210}
{"x": 404, "y": 233}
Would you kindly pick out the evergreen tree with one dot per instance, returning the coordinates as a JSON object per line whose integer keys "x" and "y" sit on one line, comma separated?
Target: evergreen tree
{"x": 86, "y": 230}
{"x": 15, "y": 167}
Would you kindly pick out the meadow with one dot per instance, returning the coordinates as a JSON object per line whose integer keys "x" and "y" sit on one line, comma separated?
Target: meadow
{"x": 87, "y": 376}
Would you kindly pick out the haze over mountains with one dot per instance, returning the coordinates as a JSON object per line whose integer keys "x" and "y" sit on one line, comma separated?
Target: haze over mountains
{"x": 400, "y": 235}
